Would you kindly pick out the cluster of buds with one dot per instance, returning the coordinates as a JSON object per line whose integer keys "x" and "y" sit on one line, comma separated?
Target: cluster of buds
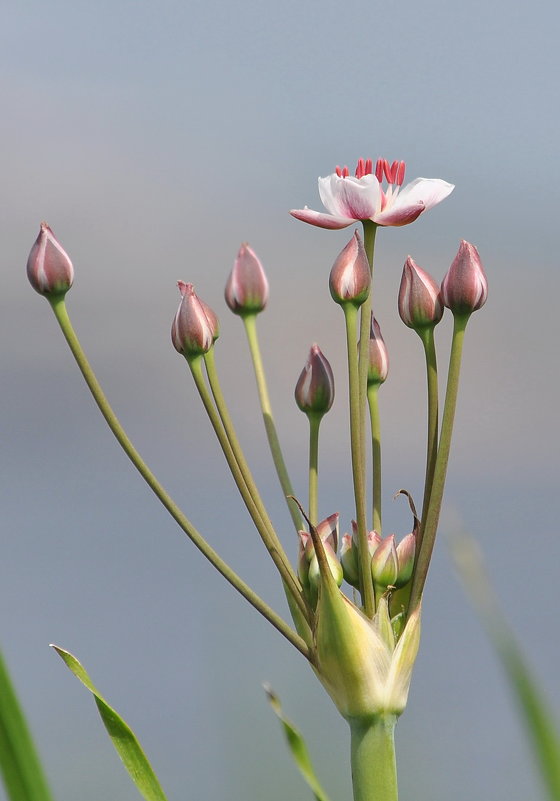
{"x": 391, "y": 564}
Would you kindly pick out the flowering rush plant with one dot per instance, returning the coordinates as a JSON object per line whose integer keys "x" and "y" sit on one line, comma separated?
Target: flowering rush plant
{"x": 354, "y": 600}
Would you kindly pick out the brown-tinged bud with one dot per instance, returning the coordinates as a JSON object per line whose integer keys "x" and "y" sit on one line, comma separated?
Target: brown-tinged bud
{"x": 314, "y": 391}
{"x": 378, "y": 367}
{"x": 247, "y": 286}
{"x": 308, "y": 566}
{"x": 195, "y": 327}
{"x": 420, "y": 303}
{"x": 350, "y": 276}
{"x": 465, "y": 287}
{"x": 49, "y": 268}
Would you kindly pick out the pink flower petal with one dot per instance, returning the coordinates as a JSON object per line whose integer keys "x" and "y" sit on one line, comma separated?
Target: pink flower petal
{"x": 322, "y": 220}
{"x": 399, "y": 214}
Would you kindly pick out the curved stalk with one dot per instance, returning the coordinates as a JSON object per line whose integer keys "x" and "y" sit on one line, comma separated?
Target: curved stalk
{"x": 428, "y": 341}
{"x": 59, "y": 308}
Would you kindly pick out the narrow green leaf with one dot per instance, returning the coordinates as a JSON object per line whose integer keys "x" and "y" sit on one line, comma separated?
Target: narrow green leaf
{"x": 297, "y": 746}
{"x": 22, "y": 773}
{"x": 122, "y": 736}
{"x": 540, "y": 726}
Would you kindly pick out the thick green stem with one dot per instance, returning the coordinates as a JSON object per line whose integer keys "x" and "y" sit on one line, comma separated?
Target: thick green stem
{"x": 253, "y": 503}
{"x": 358, "y": 462}
{"x": 59, "y": 309}
{"x": 250, "y": 322}
{"x": 428, "y": 341}
{"x": 442, "y": 458}
{"x": 374, "y": 767}
{"x": 314, "y": 423}
{"x": 373, "y": 402}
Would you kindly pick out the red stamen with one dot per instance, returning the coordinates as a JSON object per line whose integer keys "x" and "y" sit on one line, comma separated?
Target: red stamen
{"x": 400, "y": 173}
{"x": 369, "y": 167}
{"x": 379, "y": 170}
{"x": 345, "y": 172}
{"x": 387, "y": 170}
{"x": 338, "y": 171}
{"x": 360, "y": 168}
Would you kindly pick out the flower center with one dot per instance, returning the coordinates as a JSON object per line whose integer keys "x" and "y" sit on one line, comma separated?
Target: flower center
{"x": 394, "y": 173}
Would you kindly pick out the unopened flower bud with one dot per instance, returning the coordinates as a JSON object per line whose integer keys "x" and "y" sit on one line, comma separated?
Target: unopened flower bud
{"x": 49, "y": 268}
{"x": 195, "y": 327}
{"x": 350, "y": 276}
{"x": 308, "y": 565}
{"x": 378, "y": 367}
{"x": 420, "y": 303}
{"x": 247, "y": 286}
{"x": 465, "y": 287}
{"x": 349, "y": 561}
{"x": 406, "y": 550}
{"x": 385, "y": 565}
{"x": 314, "y": 391}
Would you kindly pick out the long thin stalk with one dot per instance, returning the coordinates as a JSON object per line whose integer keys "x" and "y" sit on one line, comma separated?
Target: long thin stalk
{"x": 59, "y": 309}
{"x": 358, "y": 463}
{"x": 428, "y": 341}
{"x": 314, "y": 423}
{"x": 237, "y": 451}
{"x": 250, "y": 323}
{"x": 440, "y": 471}
{"x": 262, "y": 524}
{"x": 374, "y": 766}
{"x": 375, "y": 423}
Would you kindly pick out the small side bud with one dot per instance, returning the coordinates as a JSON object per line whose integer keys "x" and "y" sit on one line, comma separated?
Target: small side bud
{"x": 247, "y": 286}
{"x": 406, "y": 551}
{"x": 349, "y": 561}
{"x": 49, "y": 269}
{"x": 195, "y": 327}
{"x": 385, "y": 565}
{"x": 314, "y": 391}
{"x": 378, "y": 367}
{"x": 420, "y": 303}
{"x": 465, "y": 287}
{"x": 350, "y": 277}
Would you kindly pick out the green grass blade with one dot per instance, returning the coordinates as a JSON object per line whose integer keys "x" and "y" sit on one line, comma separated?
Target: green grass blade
{"x": 122, "y": 736}
{"x": 540, "y": 726}
{"x": 297, "y": 746}
{"x": 22, "y": 773}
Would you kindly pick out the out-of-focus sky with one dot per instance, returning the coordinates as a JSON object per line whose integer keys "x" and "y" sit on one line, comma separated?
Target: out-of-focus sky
{"x": 155, "y": 138}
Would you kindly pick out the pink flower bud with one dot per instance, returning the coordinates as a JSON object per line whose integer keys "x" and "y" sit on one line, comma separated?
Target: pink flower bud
{"x": 350, "y": 276}
{"x": 247, "y": 286}
{"x": 406, "y": 550}
{"x": 195, "y": 327}
{"x": 349, "y": 561}
{"x": 420, "y": 303}
{"x": 385, "y": 565}
{"x": 465, "y": 287}
{"x": 49, "y": 268}
{"x": 314, "y": 391}
{"x": 378, "y": 357}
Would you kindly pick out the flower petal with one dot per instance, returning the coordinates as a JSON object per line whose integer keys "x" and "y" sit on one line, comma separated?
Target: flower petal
{"x": 429, "y": 191}
{"x": 399, "y": 214}
{"x": 321, "y": 219}
{"x": 358, "y": 198}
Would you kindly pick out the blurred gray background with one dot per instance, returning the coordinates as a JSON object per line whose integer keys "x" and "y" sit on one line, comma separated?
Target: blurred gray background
{"x": 155, "y": 138}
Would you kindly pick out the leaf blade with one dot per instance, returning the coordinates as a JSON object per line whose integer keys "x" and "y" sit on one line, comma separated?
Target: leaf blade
{"x": 123, "y": 738}
{"x": 297, "y": 746}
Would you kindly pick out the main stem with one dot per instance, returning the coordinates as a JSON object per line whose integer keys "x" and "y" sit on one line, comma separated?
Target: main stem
{"x": 374, "y": 766}
{"x": 250, "y": 323}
